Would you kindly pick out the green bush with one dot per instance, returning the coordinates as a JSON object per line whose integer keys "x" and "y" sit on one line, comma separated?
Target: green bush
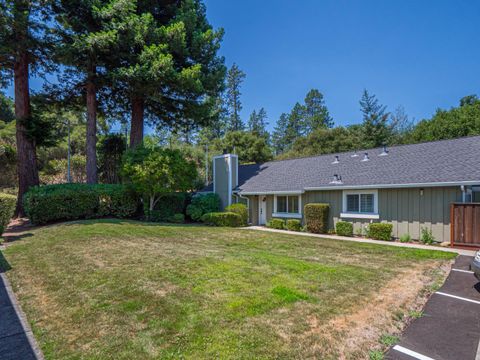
{"x": 167, "y": 206}
{"x": 276, "y": 223}
{"x": 405, "y": 238}
{"x": 380, "y": 231}
{"x": 203, "y": 204}
{"x": 222, "y": 219}
{"x": 427, "y": 237}
{"x": 177, "y": 218}
{"x": 79, "y": 201}
{"x": 344, "y": 228}
{"x": 7, "y": 207}
{"x": 316, "y": 218}
{"x": 240, "y": 209}
{"x": 294, "y": 225}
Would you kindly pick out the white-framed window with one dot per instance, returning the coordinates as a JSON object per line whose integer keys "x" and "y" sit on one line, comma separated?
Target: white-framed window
{"x": 288, "y": 205}
{"x": 360, "y": 204}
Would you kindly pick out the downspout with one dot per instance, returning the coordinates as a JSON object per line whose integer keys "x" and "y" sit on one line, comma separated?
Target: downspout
{"x": 462, "y": 187}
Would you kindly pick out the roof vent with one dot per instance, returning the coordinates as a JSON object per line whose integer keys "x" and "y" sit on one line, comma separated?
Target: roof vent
{"x": 355, "y": 154}
{"x": 365, "y": 157}
{"x": 336, "y": 179}
{"x": 384, "y": 152}
{"x": 336, "y": 160}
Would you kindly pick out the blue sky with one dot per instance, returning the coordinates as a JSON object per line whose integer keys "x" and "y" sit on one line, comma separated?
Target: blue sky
{"x": 419, "y": 54}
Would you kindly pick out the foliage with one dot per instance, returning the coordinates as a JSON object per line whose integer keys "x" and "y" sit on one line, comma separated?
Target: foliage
{"x": 168, "y": 205}
{"x": 177, "y": 218}
{"x": 229, "y": 219}
{"x": 257, "y": 123}
{"x": 248, "y": 146}
{"x": 426, "y": 236}
{"x": 235, "y": 78}
{"x": 110, "y": 150}
{"x": 380, "y": 231}
{"x": 405, "y": 238}
{"x": 293, "y": 225}
{"x": 7, "y": 207}
{"x": 276, "y": 223}
{"x": 202, "y": 204}
{"x": 55, "y": 171}
{"x": 240, "y": 209}
{"x": 154, "y": 172}
{"x": 316, "y": 217}
{"x": 8, "y": 164}
{"x": 48, "y": 203}
{"x": 376, "y": 131}
{"x": 344, "y": 228}
{"x": 316, "y": 112}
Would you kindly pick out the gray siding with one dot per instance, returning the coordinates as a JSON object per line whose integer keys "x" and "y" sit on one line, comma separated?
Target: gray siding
{"x": 221, "y": 180}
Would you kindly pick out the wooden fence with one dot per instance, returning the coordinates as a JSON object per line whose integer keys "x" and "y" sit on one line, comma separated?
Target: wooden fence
{"x": 465, "y": 225}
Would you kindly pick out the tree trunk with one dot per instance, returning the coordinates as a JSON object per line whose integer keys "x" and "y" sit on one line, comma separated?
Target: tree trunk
{"x": 91, "y": 150}
{"x": 26, "y": 155}
{"x": 136, "y": 129}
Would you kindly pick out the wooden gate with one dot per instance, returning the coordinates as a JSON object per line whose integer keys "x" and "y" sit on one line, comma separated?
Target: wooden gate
{"x": 465, "y": 224}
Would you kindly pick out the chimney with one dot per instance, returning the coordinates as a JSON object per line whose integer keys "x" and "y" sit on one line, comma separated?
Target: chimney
{"x": 384, "y": 152}
{"x": 365, "y": 157}
{"x": 225, "y": 177}
{"x": 336, "y": 160}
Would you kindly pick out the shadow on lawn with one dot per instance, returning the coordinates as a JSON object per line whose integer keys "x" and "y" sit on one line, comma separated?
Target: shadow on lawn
{"x": 123, "y": 222}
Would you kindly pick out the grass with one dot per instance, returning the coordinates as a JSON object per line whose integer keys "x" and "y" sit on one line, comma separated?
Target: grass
{"x": 111, "y": 289}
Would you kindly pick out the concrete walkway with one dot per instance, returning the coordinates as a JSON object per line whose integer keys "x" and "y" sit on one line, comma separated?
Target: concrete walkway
{"x": 16, "y": 338}
{"x": 368, "y": 241}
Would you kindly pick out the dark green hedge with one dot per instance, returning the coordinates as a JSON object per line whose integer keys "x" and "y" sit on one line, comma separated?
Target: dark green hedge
{"x": 79, "y": 201}
{"x": 316, "y": 218}
{"x": 276, "y": 224}
{"x": 203, "y": 204}
{"x": 240, "y": 209}
{"x": 167, "y": 206}
{"x": 222, "y": 219}
{"x": 380, "y": 231}
{"x": 294, "y": 225}
{"x": 7, "y": 207}
{"x": 344, "y": 228}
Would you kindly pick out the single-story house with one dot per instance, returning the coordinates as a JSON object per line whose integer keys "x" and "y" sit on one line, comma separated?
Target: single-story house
{"x": 409, "y": 186}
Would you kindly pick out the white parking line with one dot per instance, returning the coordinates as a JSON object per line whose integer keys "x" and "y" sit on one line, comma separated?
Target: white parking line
{"x": 464, "y": 271}
{"x": 458, "y": 297}
{"x": 411, "y": 353}
{"x": 478, "y": 352}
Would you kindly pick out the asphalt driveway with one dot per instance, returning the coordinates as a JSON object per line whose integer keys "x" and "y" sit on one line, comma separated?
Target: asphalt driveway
{"x": 450, "y": 326}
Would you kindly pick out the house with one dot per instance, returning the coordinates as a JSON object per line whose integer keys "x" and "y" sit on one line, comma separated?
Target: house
{"x": 409, "y": 186}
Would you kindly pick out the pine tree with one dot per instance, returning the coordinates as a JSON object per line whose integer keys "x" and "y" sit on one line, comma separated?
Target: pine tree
{"x": 316, "y": 112}
{"x": 296, "y": 124}
{"x": 257, "y": 123}
{"x": 235, "y": 78}
{"x": 376, "y": 131}
{"x": 278, "y": 136}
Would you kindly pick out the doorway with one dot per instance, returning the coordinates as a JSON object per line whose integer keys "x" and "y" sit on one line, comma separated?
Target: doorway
{"x": 262, "y": 210}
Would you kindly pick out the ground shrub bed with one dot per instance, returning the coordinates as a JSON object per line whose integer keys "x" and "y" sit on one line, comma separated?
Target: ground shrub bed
{"x": 293, "y": 225}
{"x": 203, "y": 204}
{"x": 240, "y": 209}
{"x": 316, "y": 217}
{"x": 344, "y": 228}
{"x": 226, "y": 218}
{"x": 275, "y": 223}
{"x": 49, "y": 203}
{"x": 380, "y": 231}
{"x": 7, "y": 207}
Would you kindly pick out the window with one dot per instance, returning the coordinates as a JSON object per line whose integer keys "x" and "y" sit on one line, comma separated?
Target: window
{"x": 287, "y": 205}
{"x": 360, "y": 204}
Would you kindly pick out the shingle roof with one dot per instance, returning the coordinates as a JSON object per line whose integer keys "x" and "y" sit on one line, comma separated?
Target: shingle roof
{"x": 444, "y": 161}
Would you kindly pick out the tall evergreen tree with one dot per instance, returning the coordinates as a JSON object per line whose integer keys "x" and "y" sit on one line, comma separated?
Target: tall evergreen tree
{"x": 316, "y": 112}
{"x": 278, "y": 136}
{"x": 235, "y": 78}
{"x": 296, "y": 124}
{"x": 257, "y": 123}
{"x": 376, "y": 130}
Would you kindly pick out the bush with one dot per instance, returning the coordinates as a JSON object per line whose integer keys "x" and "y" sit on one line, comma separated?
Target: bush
{"x": 7, "y": 207}
{"x": 316, "y": 217}
{"x": 79, "y": 201}
{"x": 294, "y": 225}
{"x": 427, "y": 237}
{"x": 380, "y": 231}
{"x": 240, "y": 209}
{"x": 203, "y": 204}
{"x": 405, "y": 238}
{"x": 177, "y": 218}
{"x": 276, "y": 224}
{"x": 222, "y": 219}
{"x": 344, "y": 228}
{"x": 167, "y": 206}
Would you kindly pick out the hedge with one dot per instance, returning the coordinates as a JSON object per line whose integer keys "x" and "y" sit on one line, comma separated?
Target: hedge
{"x": 7, "y": 207}
{"x": 240, "y": 209}
{"x": 380, "y": 231}
{"x": 203, "y": 204}
{"x": 344, "y": 228}
{"x": 316, "y": 218}
{"x": 276, "y": 224}
{"x": 79, "y": 201}
{"x": 222, "y": 219}
{"x": 177, "y": 218}
{"x": 167, "y": 206}
{"x": 294, "y": 225}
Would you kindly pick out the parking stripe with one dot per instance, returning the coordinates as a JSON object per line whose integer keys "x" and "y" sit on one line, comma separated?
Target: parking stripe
{"x": 458, "y": 297}
{"x": 464, "y": 271}
{"x": 411, "y": 353}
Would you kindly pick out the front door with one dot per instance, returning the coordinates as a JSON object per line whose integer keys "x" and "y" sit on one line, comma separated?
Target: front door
{"x": 262, "y": 210}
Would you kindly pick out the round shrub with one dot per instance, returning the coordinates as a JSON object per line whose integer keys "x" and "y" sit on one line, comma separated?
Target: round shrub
{"x": 7, "y": 207}
{"x": 316, "y": 217}
{"x": 203, "y": 204}
{"x": 48, "y": 203}
{"x": 240, "y": 209}
{"x": 222, "y": 219}
{"x": 177, "y": 218}
{"x": 276, "y": 224}
{"x": 167, "y": 206}
{"x": 294, "y": 225}
{"x": 380, "y": 231}
{"x": 344, "y": 228}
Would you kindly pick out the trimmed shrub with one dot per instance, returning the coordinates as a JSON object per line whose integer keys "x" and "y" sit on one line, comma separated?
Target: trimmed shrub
{"x": 276, "y": 223}
{"x": 427, "y": 236}
{"x": 203, "y": 204}
{"x": 240, "y": 209}
{"x": 177, "y": 218}
{"x": 344, "y": 228}
{"x": 222, "y": 219}
{"x": 167, "y": 206}
{"x": 7, "y": 207}
{"x": 405, "y": 238}
{"x": 79, "y": 201}
{"x": 316, "y": 218}
{"x": 380, "y": 231}
{"x": 294, "y": 225}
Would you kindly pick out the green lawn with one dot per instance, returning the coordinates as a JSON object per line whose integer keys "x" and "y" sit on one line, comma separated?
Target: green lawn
{"x": 111, "y": 289}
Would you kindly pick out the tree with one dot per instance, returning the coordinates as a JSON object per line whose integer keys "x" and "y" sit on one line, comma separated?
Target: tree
{"x": 248, "y": 146}
{"x": 24, "y": 50}
{"x": 7, "y": 110}
{"x": 296, "y": 124}
{"x": 376, "y": 131}
{"x": 110, "y": 152}
{"x": 155, "y": 172}
{"x": 401, "y": 126}
{"x": 316, "y": 112}
{"x": 257, "y": 123}
{"x": 235, "y": 78}
{"x": 278, "y": 136}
